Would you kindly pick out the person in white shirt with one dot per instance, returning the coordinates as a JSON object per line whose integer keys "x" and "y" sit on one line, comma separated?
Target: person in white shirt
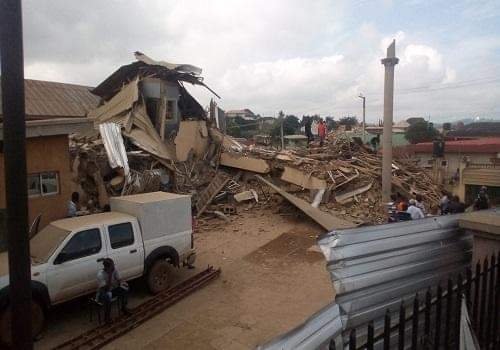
{"x": 419, "y": 203}
{"x": 109, "y": 286}
{"x": 414, "y": 211}
{"x": 73, "y": 204}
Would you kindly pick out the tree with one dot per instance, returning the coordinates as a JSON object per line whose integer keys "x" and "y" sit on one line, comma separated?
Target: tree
{"x": 331, "y": 124}
{"x": 421, "y": 131}
{"x": 348, "y": 121}
{"x": 291, "y": 125}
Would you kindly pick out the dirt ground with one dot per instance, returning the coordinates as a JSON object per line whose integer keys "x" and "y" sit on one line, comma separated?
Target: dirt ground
{"x": 273, "y": 277}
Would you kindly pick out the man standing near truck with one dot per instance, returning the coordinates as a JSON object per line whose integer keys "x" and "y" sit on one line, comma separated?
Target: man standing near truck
{"x": 110, "y": 286}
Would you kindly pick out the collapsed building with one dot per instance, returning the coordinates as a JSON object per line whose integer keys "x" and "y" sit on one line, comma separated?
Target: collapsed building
{"x": 150, "y": 134}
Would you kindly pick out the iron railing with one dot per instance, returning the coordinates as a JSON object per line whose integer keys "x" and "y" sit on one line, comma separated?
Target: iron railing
{"x": 433, "y": 322}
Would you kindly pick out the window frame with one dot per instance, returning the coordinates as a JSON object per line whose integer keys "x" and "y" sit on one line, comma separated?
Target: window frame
{"x": 41, "y": 192}
{"x": 61, "y": 259}
{"x": 119, "y": 224}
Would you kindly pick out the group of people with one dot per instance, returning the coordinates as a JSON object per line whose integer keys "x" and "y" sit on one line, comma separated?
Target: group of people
{"x": 404, "y": 209}
{"x": 321, "y": 127}
{"x": 451, "y": 204}
{"x": 74, "y": 208}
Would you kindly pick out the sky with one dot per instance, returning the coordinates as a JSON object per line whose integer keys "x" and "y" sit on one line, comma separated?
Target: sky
{"x": 302, "y": 57}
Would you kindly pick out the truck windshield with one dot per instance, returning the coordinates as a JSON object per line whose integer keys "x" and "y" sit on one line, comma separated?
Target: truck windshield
{"x": 45, "y": 243}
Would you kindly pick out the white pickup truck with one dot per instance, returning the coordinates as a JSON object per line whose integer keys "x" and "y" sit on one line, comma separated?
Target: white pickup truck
{"x": 144, "y": 234}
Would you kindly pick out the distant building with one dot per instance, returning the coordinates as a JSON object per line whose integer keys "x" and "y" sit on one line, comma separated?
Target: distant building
{"x": 53, "y": 111}
{"x": 242, "y": 113}
{"x": 465, "y": 166}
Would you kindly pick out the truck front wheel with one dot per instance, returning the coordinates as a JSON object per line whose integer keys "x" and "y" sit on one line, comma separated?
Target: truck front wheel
{"x": 37, "y": 321}
{"x": 159, "y": 276}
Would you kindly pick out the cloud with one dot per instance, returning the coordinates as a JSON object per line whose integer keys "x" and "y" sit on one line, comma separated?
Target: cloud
{"x": 313, "y": 57}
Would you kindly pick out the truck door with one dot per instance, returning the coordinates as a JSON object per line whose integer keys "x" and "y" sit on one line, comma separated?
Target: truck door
{"x": 73, "y": 270}
{"x": 126, "y": 249}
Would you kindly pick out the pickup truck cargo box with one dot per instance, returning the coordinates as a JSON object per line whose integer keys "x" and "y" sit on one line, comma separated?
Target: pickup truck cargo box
{"x": 159, "y": 213}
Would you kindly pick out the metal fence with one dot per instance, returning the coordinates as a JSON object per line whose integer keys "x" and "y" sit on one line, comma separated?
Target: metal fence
{"x": 373, "y": 268}
{"x": 432, "y": 320}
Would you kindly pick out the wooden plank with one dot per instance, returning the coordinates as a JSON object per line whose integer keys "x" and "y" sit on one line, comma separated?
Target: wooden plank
{"x": 327, "y": 221}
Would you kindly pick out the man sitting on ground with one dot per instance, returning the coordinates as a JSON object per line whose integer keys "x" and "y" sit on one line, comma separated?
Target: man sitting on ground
{"x": 111, "y": 286}
{"x": 414, "y": 211}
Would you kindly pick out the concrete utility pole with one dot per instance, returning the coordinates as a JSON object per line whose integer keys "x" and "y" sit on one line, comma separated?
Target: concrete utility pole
{"x": 364, "y": 116}
{"x": 281, "y": 131}
{"x": 16, "y": 191}
{"x": 389, "y": 62}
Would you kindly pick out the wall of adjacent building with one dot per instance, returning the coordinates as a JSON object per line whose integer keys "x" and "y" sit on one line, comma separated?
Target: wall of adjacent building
{"x": 45, "y": 154}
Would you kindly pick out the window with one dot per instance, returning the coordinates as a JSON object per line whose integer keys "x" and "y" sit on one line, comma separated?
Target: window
{"x": 43, "y": 184}
{"x": 50, "y": 183}
{"x": 121, "y": 235}
{"x": 34, "y": 185}
{"x": 170, "y": 113}
{"x": 84, "y": 243}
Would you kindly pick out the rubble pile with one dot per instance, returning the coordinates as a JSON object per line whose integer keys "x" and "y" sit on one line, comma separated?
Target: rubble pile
{"x": 151, "y": 135}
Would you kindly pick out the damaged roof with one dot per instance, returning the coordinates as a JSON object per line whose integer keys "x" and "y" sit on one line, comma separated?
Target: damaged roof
{"x": 146, "y": 66}
{"x": 49, "y": 100}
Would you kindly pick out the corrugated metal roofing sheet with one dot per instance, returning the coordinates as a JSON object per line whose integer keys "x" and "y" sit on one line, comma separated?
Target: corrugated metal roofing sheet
{"x": 47, "y": 99}
{"x": 373, "y": 268}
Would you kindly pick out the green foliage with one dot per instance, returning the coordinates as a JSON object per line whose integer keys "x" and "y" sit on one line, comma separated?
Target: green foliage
{"x": 331, "y": 124}
{"x": 421, "y": 131}
{"x": 291, "y": 125}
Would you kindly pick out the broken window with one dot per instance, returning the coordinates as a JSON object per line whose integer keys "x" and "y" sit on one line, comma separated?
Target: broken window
{"x": 152, "y": 108}
{"x": 170, "y": 114}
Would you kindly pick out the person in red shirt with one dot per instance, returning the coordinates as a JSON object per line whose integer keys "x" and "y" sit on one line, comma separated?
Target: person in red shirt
{"x": 321, "y": 132}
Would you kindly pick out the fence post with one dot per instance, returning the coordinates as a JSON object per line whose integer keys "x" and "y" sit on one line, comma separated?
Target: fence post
{"x": 401, "y": 333}
{"x": 458, "y": 309}
{"x": 369, "y": 341}
{"x": 438, "y": 317}
{"x": 484, "y": 290}
{"x": 352, "y": 340}
{"x": 449, "y": 305}
{"x": 414, "y": 328}
{"x": 387, "y": 330}
{"x": 476, "y": 296}
{"x": 496, "y": 328}
{"x": 491, "y": 301}
{"x": 468, "y": 286}
{"x": 427, "y": 320}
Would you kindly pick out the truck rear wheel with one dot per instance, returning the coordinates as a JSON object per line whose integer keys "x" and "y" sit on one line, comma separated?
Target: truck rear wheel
{"x": 37, "y": 321}
{"x": 159, "y": 276}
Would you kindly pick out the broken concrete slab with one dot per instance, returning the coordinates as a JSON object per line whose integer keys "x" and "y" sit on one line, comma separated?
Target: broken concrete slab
{"x": 302, "y": 179}
{"x": 347, "y": 196}
{"x": 246, "y": 196}
{"x": 234, "y": 160}
{"x": 327, "y": 221}
{"x": 192, "y": 135}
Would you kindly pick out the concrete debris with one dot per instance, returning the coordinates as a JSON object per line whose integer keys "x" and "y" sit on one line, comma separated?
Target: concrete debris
{"x": 298, "y": 178}
{"x": 155, "y": 136}
{"x": 245, "y": 163}
{"x": 327, "y": 221}
{"x": 246, "y": 196}
{"x": 343, "y": 197}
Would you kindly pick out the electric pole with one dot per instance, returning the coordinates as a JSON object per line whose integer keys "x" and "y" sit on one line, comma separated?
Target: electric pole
{"x": 364, "y": 116}
{"x": 16, "y": 190}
